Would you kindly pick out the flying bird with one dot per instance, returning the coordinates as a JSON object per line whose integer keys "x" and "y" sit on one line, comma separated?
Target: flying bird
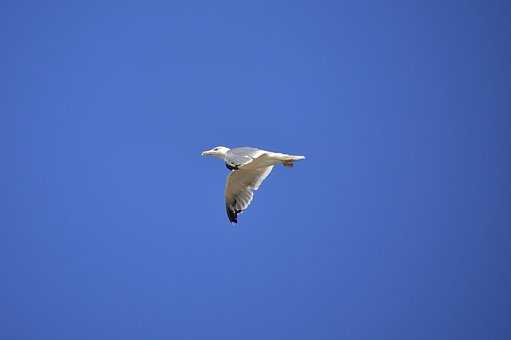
{"x": 249, "y": 167}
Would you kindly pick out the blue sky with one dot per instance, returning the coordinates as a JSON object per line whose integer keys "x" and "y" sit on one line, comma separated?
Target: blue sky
{"x": 396, "y": 226}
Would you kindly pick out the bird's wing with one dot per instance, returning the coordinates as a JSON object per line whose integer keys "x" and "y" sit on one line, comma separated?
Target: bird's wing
{"x": 239, "y": 189}
{"x": 239, "y": 157}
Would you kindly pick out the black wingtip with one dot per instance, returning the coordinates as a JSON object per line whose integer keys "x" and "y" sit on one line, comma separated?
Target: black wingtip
{"x": 231, "y": 167}
{"x": 231, "y": 214}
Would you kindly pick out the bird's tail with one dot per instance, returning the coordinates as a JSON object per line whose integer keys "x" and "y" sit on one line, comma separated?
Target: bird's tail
{"x": 285, "y": 159}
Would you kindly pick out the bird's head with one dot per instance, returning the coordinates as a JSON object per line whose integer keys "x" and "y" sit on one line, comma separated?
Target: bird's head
{"x": 218, "y": 151}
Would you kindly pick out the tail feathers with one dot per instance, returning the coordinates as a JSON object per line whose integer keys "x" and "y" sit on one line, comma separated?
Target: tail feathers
{"x": 286, "y": 157}
{"x": 296, "y": 158}
{"x": 287, "y": 160}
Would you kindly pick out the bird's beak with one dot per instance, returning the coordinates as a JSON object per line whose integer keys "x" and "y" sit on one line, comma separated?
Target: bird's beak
{"x": 206, "y": 153}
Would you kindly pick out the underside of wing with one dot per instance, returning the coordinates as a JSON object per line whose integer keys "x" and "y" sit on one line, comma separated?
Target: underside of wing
{"x": 239, "y": 189}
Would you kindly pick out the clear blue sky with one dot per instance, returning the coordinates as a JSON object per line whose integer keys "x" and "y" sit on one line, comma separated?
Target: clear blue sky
{"x": 396, "y": 226}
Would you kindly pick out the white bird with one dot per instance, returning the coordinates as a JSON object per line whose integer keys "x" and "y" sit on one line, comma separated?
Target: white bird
{"x": 249, "y": 168}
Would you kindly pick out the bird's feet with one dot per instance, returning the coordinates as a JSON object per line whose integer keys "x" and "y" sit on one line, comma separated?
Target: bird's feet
{"x": 288, "y": 163}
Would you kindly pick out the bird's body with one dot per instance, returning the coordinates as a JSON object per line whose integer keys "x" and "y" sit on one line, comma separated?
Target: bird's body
{"x": 249, "y": 168}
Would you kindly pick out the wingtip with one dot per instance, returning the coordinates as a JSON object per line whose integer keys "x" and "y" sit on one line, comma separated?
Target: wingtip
{"x": 232, "y": 215}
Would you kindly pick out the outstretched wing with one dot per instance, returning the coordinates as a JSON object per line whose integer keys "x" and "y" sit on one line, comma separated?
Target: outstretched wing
{"x": 239, "y": 189}
{"x": 239, "y": 157}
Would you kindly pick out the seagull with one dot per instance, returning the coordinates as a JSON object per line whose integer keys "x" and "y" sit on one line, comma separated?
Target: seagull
{"x": 249, "y": 167}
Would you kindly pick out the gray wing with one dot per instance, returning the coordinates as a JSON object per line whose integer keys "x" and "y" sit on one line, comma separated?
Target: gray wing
{"x": 238, "y": 157}
{"x": 239, "y": 189}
